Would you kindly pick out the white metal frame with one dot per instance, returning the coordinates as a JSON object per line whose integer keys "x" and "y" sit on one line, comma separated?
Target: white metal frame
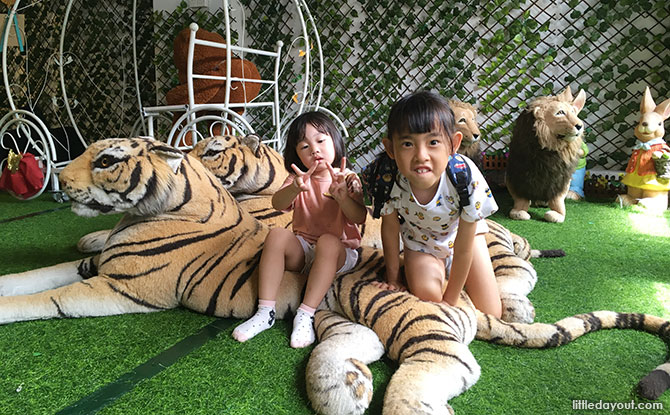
{"x": 25, "y": 122}
{"x": 228, "y": 117}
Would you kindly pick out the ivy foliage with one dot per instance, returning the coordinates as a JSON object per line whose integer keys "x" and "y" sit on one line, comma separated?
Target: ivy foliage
{"x": 499, "y": 55}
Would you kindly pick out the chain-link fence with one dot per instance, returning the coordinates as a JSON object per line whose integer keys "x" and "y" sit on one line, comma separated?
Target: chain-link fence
{"x": 497, "y": 54}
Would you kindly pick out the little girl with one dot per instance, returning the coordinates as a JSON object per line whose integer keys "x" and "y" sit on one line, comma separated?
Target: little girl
{"x": 327, "y": 204}
{"x": 440, "y": 242}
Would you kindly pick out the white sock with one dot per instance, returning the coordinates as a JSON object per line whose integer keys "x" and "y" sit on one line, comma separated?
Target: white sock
{"x": 303, "y": 327}
{"x": 261, "y": 321}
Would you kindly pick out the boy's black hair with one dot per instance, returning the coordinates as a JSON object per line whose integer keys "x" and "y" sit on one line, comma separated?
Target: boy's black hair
{"x": 420, "y": 112}
{"x": 296, "y": 133}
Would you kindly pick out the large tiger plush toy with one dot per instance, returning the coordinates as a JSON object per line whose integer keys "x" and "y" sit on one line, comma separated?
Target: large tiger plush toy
{"x": 251, "y": 169}
{"x": 207, "y": 262}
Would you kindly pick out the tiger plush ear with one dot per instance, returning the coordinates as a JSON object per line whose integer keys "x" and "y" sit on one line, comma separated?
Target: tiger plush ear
{"x": 171, "y": 155}
{"x": 253, "y": 142}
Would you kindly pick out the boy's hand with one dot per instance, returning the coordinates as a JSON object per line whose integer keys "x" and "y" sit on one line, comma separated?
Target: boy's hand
{"x": 354, "y": 185}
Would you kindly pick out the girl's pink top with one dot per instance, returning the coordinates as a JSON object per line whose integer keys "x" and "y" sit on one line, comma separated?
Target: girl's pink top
{"x": 315, "y": 214}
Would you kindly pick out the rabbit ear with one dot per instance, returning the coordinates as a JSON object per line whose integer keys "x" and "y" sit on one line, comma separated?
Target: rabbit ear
{"x": 579, "y": 102}
{"x": 566, "y": 95}
{"x": 664, "y": 109}
{"x": 647, "y": 104}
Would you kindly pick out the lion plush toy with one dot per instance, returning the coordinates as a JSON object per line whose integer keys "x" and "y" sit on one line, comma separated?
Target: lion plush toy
{"x": 466, "y": 122}
{"x": 210, "y": 61}
{"x": 543, "y": 154}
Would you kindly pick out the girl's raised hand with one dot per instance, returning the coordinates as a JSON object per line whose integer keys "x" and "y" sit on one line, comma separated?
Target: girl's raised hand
{"x": 338, "y": 188}
{"x": 302, "y": 178}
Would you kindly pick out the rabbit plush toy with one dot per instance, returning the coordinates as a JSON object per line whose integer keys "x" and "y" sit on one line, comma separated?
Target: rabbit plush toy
{"x": 644, "y": 185}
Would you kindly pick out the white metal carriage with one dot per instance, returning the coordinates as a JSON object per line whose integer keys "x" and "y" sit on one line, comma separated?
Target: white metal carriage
{"x": 27, "y": 125}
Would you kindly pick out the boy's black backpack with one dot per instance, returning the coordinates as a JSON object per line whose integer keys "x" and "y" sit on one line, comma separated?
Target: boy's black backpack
{"x": 379, "y": 176}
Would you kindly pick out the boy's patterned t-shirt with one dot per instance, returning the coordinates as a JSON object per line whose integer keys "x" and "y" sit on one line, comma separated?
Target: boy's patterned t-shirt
{"x": 432, "y": 227}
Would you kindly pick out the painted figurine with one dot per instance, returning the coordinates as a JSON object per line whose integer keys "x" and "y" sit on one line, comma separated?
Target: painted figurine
{"x": 644, "y": 186}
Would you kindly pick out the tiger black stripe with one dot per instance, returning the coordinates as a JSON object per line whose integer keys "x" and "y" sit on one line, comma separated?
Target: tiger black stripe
{"x": 231, "y": 166}
{"x": 58, "y": 309}
{"x": 417, "y": 340}
{"x": 509, "y": 267}
{"x": 234, "y": 244}
{"x": 215, "y": 186}
{"x": 354, "y": 295}
{"x": 136, "y": 300}
{"x": 149, "y": 241}
{"x": 594, "y": 323}
{"x": 209, "y": 215}
{"x": 440, "y": 353}
{"x": 502, "y": 256}
{"x": 211, "y": 307}
{"x": 355, "y": 291}
{"x": 87, "y": 269}
{"x": 270, "y": 215}
{"x": 512, "y": 327}
{"x": 187, "y": 195}
{"x": 134, "y": 181}
{"x": 385, "y": 307}
{"x": 245, "y": 277}
{"x": 325, "y": 330}
{"x": 421, "y": 319}
{"x": 151, "y": 187}
{"x": 187, "y": 161}
{"x": 137, "y": 275}
{"x": 394, "y": 331}
{"x": 632, "y": 320}
{"x": 664, "y": 331}
{"x": 496, "y": 243}
{"x": 561, "y": 337}
{"x": 181, "y": 274}
{"x": 450, "y": 313}
{"x": 194, "y": 274}
{"x": 174, "y": 245}
{"x": 207, "y": 273}
{"x": 271, "y": 173}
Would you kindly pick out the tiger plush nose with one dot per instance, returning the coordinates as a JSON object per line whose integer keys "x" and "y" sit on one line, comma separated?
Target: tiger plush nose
{"x": 578, "y": 126}
{"x": 73, "y": 171}
{"x": 475, "y": 136}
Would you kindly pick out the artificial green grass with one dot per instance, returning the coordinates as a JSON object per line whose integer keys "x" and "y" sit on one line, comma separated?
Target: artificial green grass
{"x": 610, "y": 264}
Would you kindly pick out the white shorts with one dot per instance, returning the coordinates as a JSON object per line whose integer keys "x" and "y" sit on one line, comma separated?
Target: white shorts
{"x": 350, "y": 258}
{"x": 482, "y": 229}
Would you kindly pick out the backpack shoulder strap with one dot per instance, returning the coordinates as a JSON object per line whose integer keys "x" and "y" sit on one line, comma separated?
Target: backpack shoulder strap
{"x": 460, "y": 175}
{"x": 378, "y": 179}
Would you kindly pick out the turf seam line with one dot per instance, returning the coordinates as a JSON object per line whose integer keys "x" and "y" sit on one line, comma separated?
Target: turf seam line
{"x": 110, "y": 392}
{"x": 30, "y": 215}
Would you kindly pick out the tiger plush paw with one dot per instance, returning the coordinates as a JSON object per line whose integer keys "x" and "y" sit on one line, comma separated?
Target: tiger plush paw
{"x": 93, "y": 242}
{"x": 338, "y": 380}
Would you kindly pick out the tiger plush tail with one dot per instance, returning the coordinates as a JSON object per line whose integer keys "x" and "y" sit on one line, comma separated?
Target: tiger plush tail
{"x": 540, "y": 335}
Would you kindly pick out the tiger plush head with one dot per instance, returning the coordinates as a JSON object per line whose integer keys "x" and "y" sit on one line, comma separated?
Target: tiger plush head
{"x": 122, "y": 175}
{"x": 243, "y": 165}
{"x": 557, "y": 125}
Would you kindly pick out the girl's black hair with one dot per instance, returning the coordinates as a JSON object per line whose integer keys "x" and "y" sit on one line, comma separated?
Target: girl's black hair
{"x": 296, "y": 133}
{"x": 421, "y": 112}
